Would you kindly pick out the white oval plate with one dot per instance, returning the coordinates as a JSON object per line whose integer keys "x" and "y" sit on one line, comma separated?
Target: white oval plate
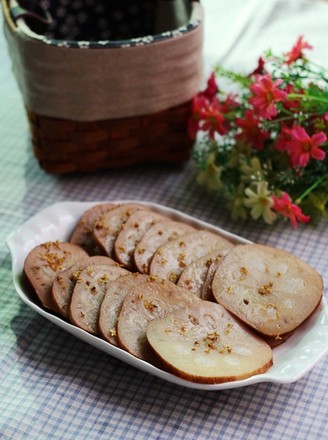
{"x": 291, "y": 360}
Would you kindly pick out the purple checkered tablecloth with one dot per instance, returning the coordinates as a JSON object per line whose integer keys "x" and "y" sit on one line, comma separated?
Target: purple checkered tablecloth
{"x": 53, "y": 386}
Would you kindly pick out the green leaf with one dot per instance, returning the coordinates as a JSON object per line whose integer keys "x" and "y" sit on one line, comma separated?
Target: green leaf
{"x": 238, "y": 78}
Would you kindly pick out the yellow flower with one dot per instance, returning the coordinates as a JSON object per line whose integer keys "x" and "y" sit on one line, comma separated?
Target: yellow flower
{"x": 237, "y": 154}
{"x": 260, "y": 202}
{"x": 211, "y": 176}
{"x": 252, "y": 171}
{"x": 236, "y": 205}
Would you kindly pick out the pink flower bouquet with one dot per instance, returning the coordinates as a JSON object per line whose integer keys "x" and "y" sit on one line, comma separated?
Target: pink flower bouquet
{"x": 263, "y": 144}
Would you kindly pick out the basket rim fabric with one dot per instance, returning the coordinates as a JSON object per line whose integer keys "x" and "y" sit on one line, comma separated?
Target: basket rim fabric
{"x": 106, "y": 83}
{"x": 21, "y": 26}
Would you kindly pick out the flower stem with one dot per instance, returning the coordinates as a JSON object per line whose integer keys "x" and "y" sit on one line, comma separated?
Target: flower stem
{"x": 307, "y": 98}
{"x": 322, "y": 68}
{"x": 284, "y": 118}
{"x": 311, "y": 188}
{"x": 319, "y": 74}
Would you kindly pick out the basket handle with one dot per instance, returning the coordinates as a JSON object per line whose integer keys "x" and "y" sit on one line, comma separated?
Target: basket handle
{"x": 17, "y": 12}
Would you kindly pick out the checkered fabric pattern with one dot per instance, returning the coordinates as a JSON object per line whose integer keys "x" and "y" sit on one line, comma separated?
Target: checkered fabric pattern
{"x": 53, "y": 386}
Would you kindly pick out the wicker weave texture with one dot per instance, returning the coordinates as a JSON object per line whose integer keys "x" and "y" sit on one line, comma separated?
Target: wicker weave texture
{"x": 63, "y": 146}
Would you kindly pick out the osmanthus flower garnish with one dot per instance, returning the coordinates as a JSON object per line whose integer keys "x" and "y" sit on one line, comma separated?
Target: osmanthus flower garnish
{"x": 263, "y": 145}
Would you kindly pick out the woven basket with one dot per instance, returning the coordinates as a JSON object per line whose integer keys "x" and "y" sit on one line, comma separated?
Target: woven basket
{"x": 100, "y": 100}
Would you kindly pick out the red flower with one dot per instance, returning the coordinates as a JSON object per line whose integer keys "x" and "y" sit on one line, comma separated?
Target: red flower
{"x": 318, "y": 123}
{"x": 301, "y": 147}
{"x": 284, "y": 206}
{"x": 229, "y": 104}
{"x": 193, "y": 127}
{"x": 213, "y": 119}
{"x": 260, "y": 69}
{"x": 265, "y": 94}
{"x": 212, "y": 87}
{"x": 198, "y": 103}
{"x": 251, "y": 132}
{"x": 283, "y": 138}
{"x": 297, "y": 50}
{"x": 207, "y": 116}
{"x": 292, "y": 104}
